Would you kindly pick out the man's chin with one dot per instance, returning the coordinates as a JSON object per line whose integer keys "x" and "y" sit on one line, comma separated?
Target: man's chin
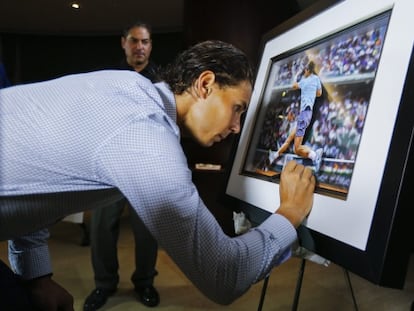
{"x": 139, "y": 61}
{"x": 204, "y": 143}
{"x": 211, "y": 142}
{"x": 198, "y": 140}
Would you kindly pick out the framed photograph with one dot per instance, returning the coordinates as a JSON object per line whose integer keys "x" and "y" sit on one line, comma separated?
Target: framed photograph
{"x": 332, "y": 92}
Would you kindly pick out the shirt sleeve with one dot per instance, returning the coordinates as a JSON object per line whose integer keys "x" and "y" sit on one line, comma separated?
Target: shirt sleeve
{"x": 149, "y": 167}
{"x": 29, "y": 255}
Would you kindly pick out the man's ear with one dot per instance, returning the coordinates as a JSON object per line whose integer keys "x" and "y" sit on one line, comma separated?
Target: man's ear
{"x": 123, "y": 41}
{"x": 204, "y": 83}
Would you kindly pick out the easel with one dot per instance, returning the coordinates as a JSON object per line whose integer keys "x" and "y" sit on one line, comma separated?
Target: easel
{"x": 299, "y": 287}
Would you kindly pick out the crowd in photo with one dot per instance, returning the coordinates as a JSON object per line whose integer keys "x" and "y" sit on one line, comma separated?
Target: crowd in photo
{"x": 346, "y": 55}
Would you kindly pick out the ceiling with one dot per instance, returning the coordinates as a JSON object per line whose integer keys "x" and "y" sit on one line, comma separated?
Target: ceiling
{"x": 94, "y": 16}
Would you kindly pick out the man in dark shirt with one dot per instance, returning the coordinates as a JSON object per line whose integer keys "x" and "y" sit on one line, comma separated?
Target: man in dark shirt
{"x": 105, "y": 221}
{"x": 4, "y": 80}
{"x": 137, "y": 44}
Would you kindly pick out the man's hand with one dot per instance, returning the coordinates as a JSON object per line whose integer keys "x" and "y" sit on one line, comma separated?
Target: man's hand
{"x": 297, "y": 184}
{"x": 47, "y": 295}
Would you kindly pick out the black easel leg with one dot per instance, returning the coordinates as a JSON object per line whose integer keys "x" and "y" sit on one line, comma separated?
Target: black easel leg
{"x": 299, "y": 285}
{"x": 263, "y": 294}
{"x": 348, "y": 279}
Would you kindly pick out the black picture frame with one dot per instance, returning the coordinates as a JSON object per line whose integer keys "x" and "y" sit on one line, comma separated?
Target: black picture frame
{"x": 368, "y": 230}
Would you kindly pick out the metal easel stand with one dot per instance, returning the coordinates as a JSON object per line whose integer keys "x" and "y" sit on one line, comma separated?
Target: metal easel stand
{"x": 263, "y": 294}
{"x": 348, "y": 280}
{"x": 299, "y": 287}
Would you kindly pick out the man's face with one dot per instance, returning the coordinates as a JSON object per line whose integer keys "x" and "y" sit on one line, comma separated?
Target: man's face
{"x": 137, "y": 46}
{"x": 212, "y": 119}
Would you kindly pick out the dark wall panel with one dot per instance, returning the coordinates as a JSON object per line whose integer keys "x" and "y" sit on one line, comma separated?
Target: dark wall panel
{"x": 31, "y": 58}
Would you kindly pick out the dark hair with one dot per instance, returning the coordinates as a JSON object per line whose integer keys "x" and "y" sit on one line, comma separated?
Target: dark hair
{"x": 229, "y": 64}
{"x": 137, "y": 24}
{"x": 311, "y": 67}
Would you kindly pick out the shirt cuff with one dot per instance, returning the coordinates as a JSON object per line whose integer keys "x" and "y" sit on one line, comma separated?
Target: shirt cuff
{"x": 280, "y": 228}
{"x": 31, "y": 263}
{"x": 278, "y": 235}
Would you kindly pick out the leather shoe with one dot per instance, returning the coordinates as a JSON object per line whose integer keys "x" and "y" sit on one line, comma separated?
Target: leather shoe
{"x": 97, "y": 298}
{"x": 148, "y": 295}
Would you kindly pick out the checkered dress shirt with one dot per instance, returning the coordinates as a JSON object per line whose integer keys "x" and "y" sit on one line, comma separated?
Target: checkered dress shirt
{"x": 70, "y": 142}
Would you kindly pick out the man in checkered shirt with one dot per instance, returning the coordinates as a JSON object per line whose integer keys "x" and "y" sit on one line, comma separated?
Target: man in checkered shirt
{"x": 85, "y": 140}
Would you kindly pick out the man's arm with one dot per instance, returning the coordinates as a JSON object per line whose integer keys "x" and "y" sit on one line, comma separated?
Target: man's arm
{"x": 318, "y": 92}
{"x": 295, "y": 86}
{"x": 29, "y": 258}
{"x": 29, "y": 255}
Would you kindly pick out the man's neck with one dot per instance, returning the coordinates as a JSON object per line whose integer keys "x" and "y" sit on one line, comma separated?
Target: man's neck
{"x": 139, "y": 67}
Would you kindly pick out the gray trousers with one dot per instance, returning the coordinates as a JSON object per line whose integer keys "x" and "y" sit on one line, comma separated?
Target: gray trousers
{"x": 104, "y": 233}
